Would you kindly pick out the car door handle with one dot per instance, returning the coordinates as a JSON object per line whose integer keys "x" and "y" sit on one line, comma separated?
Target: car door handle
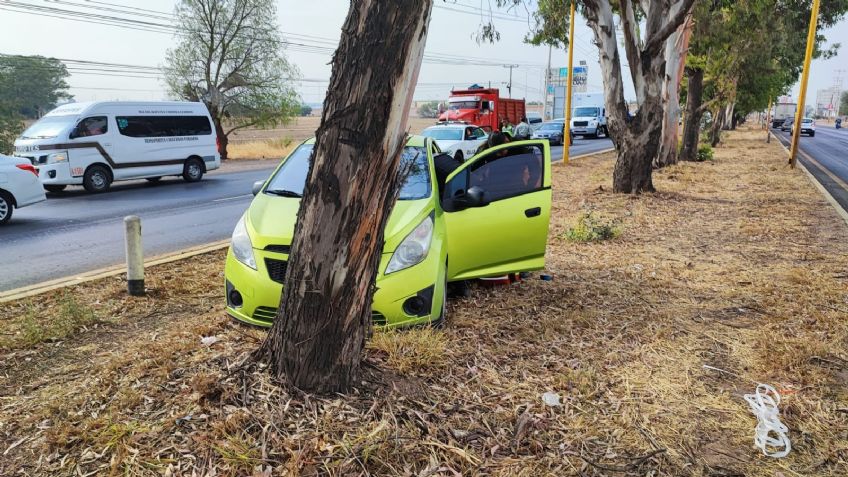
{"x": 534, "y": 212}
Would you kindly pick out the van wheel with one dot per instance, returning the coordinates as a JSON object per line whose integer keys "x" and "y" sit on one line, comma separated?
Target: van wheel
{"x": 193, "y": 170}
{"x": 54, "y": 188}
{"x": 154, "y": 179}
{"x": 6, "y": 207}
{"x": 459, "y": 156}
{"x": 96, "y": 179}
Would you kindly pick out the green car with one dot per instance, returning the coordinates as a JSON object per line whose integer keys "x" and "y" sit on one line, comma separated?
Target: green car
{"x": 489, "y": 218}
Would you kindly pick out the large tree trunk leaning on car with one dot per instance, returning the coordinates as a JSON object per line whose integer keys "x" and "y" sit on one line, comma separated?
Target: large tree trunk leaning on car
{"x": 317, "y": 339}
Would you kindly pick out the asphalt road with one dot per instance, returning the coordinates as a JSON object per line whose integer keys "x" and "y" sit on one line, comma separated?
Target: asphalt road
{"x": 75, "y": 232}
{"x": 826, "y": 157}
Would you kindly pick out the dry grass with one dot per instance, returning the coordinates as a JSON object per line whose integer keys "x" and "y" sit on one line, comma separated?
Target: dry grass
{"x": 274, "y": 149}
{"x": 738, "y": 264}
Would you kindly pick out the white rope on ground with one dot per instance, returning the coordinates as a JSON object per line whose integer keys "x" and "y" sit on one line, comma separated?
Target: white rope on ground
{"x": 764, "y": 404}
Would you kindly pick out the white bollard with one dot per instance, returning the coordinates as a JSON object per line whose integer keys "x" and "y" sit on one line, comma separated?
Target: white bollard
{"x": 135, "y": 256}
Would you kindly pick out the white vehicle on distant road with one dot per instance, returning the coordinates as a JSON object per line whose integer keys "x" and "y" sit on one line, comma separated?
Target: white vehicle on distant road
{"x": 589, "y": 115}
{"x": 94, "y": 144}
{"x": 460, "y": 140}
{"x": 808, "y": 126}
{"x": 19, "y": 186}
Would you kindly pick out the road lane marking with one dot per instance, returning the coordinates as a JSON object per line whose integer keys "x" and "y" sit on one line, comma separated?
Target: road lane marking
{"x": 225, "y": 199}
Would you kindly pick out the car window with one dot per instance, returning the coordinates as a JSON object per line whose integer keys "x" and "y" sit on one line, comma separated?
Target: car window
{"x": 551, "y": 127}
{"x": 503, "y": 174}
{"x": 443, "y": 133}
{"x": 290, "y": 178}
{"x": 93, "y": 126}
{"x": 586, "y": 112}
{"x": 479, "y": 133}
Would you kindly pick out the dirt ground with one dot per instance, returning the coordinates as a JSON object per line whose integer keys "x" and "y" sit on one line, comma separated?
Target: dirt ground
{"x": 734, "y": 273}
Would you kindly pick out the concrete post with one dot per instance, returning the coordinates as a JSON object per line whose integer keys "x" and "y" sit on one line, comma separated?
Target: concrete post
{"x": 135, "y": 256}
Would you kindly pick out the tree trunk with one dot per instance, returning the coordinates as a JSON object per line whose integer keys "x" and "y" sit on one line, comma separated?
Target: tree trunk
{"x": 675, "y": 53}
{"x": 223, "y": 140}
{"x": 317, "y": 339}
{"x": 718, "y": 123}
{"x": 692, "y": 123}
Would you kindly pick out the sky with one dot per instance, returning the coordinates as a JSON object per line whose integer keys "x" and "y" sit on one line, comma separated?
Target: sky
{"x": 317, "y": 23}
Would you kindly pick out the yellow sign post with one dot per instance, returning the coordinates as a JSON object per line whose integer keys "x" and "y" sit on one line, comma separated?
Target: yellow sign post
{"x": 799, "y": 112}
{"x": 566, "y": 142}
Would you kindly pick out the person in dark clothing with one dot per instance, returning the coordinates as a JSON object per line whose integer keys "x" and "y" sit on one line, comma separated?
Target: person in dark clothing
{"x": 495, "y": 139}
{"x": 444, "y": 165}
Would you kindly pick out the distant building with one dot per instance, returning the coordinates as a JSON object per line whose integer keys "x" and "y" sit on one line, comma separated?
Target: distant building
{"x": 827, "y": 102}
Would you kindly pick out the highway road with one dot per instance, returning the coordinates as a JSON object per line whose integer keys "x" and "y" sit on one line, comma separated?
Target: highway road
{"x": 75, "y": 232}
{"x": 826, "y": 157}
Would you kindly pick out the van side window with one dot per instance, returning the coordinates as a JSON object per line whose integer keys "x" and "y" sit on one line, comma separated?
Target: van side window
{"x": 163, "y": 126}
{"x": 93, "y": 126}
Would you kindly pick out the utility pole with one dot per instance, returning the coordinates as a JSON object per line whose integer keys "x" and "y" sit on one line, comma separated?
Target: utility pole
{"x": 566, "y": 142}
{"x": 509, "y": 85}
{"x": 547, "y": 85}
{"x": 805, "y": 76}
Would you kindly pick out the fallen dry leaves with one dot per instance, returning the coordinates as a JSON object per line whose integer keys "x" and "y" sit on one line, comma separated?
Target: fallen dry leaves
{"x": 737, "y": 264}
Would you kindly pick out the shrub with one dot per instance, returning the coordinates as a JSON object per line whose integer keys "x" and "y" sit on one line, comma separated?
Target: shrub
{"x": 705, "y": 153}
{"x": 590, "y": 228}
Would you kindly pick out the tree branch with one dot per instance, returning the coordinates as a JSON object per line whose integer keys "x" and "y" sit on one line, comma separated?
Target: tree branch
{"x": 656, "y": 40}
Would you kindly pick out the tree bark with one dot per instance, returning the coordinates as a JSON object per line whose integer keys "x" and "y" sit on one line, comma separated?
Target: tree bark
{"x": 317, "y": 339}
{"x": 694, "y": 112}
{"x": 718, "y": 123}
{"x": 675, "y": 54}
{"x": 223, "y": 140}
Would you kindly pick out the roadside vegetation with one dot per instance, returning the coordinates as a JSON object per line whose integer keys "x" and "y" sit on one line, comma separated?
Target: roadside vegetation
{"x": 701, "y": 276}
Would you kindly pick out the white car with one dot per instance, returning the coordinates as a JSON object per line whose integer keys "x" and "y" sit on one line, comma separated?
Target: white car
{"x": 808, "y": 126}
{"x": 19, "y": 186}
{"x": 460, "y": 140}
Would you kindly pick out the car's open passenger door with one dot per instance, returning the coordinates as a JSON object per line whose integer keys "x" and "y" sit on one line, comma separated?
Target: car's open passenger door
{"x": 497, "y": 209}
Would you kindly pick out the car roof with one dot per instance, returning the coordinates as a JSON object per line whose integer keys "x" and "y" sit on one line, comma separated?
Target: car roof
{"x": 414, "y": 140}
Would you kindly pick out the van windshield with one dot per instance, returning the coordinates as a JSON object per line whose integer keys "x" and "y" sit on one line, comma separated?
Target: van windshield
{"x": 49, "y": 127}
{"x": 290, "y": 179}
{"x": 583, "y": 112}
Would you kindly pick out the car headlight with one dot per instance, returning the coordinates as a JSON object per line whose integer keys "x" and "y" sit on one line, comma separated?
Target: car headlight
{"x": 241, "y": 245}
{"x": 414, "y": 248}
{"x": 57, "y": 157}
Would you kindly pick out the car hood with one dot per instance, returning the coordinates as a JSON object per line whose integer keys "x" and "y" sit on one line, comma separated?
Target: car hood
{"x": 271, "y": 220}
{"x": 4, "y": 159}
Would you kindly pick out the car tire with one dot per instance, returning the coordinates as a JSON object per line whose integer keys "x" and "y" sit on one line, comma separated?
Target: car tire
{"x": 54, "y": 188}
{"x": 154, "y": 179}
{"x": 7, "y": 207}
{"x": 813, "y": 134}
{"x": 97, "y": 179}
{"x": 193, "y": 170}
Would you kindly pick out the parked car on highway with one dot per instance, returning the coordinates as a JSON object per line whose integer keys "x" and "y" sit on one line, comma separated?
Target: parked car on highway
{"x": 460, "y": 140}
{"x": 94, "y": 144}
{"x": 787, "y": 124}
{"x": 553, "y": 131}
{"x": 808, "y": 126}
{"x": 19, "y": 186}
{"x": 491, "y": 220}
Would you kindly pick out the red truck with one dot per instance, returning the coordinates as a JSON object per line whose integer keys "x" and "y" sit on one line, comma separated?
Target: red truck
{"x": 483, "y": 107}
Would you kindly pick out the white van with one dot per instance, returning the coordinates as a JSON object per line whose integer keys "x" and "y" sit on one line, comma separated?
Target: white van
{"x": 94, "y": 144}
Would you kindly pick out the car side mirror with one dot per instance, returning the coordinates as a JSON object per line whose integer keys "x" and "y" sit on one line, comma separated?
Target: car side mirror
{"x": 473, "y": 197}
{"x": 257, "y": 187}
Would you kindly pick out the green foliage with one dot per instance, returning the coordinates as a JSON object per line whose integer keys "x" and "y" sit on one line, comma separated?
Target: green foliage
{"x": 11, "y": 127}
{"x": 305, "y": 110}
{"x": 590, "y": 228}
{"x": 233, "y": 61}
{"x": 32, "y": 85}
{"x": 705, "y": 153}
{"x": 430, "y": 109}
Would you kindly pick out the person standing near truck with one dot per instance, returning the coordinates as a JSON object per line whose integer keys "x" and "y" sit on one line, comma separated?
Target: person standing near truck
{"x": 506, "y": 128}
{"x": 522, "y": 131}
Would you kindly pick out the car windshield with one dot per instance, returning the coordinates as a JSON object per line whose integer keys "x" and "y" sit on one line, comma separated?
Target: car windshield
{"x": 578, "y": 112}
{"x": 551, "y": 127}
{"x": 49, "y": 127}
{"x": 454, "y": 105}
{"x": 444, "y": 134}
{"x": 807, "y": 120}
{"x": 290, "y": 179}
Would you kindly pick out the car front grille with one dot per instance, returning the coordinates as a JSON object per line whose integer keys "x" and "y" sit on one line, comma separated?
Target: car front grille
{"x": 581, "y": 123}
{"x": 265, "y": 313}
{"x": 286, "y": 249}
{"x": 276, "y": 269}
